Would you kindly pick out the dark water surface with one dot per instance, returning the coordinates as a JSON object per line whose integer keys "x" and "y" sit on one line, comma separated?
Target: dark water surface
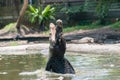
{"x": 87, "y": 67}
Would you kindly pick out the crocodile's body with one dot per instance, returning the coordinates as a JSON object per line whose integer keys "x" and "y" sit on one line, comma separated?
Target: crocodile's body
{"x": 57, "y": 62}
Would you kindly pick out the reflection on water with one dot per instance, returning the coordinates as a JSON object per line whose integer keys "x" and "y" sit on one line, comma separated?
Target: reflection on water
{"x": 87, "y": 67}
{"x": 11, "y": 66}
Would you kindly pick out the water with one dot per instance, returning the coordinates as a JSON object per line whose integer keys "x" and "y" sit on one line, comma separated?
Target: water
{"x": 87, "y": 67}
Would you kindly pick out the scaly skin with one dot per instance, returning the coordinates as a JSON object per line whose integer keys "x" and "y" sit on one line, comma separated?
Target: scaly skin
{"x": 57, "y": 62}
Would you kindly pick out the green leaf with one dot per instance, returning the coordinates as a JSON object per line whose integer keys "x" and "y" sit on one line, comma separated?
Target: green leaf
{"x": 52, "y": 17}
{"x": 40, "y": 19}
{"x": 46, "y": 10}
{"x": 39, "y": 15}
{"x": 32, "y": 9}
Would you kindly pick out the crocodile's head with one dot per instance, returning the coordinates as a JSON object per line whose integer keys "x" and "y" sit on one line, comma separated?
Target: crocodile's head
{"x": 55, "y": 36}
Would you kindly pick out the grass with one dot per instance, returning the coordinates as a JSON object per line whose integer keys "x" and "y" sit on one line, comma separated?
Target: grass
{"x": 91, "y": 26}
{"x": 75, "y": 28}
{"x": 10, "y": 27}
{"x": 115, "y": 25}
{"x": 13, "y": 43}
{"x": 87, "y": 27}
{"x": 78, "y": 27}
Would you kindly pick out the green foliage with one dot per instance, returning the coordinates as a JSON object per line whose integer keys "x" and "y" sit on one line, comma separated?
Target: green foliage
{"x": 73, "y": 9}
{"x": 40, "y": 15}
{"x": 77, "y": 8}
{"x": 71, "y": 13}
{"x": 78, "y": 27}
{"x": 96, "y": 23}
{"x": 76, "y": 13}
{"x": 102, "y": 8}
{"x": 10, "y": 28}
{"x": 116, "y": 25}
{"x": 48, "y": 13}
{"x": 88, "y": 4}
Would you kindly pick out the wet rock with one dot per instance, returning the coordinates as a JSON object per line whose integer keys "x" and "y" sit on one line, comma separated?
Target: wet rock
{"x": 100, "y": 38}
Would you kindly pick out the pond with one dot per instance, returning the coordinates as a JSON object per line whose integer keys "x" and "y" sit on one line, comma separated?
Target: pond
{"x": 87, "y": 67}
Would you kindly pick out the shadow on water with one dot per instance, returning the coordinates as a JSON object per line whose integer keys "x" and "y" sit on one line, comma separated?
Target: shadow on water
{"x": 87, "y": 67}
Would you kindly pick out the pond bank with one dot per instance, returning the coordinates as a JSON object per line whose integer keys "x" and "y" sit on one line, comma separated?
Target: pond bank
{"x": 94, "y": 48}
{"x": 74, "y": 48}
